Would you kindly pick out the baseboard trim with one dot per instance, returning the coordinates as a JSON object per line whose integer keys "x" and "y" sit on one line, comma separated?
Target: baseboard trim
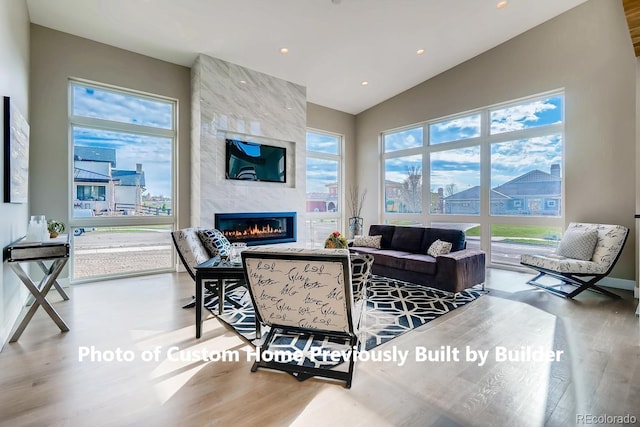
{"x": 626, "y": 284}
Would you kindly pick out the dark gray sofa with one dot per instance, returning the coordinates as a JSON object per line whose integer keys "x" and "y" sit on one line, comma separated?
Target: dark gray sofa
{"x": 403, "y": 256}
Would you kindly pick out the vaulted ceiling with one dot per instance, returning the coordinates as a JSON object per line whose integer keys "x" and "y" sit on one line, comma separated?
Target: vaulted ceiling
{"x": 333, "y": 45}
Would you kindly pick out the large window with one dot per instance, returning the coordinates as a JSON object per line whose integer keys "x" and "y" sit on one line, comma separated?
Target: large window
{"x": 324, "y": 186}
{"x": 122, "y": 180}
{"x": 495, "y": 173}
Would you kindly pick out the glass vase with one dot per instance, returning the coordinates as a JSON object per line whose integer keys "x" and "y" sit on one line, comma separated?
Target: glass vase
{"x": 355, "y": 227}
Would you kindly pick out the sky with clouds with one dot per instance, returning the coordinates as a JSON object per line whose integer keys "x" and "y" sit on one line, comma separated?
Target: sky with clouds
{"x": 321, "y": 172}
{"x": 461, "y": 167}
{"x": 154, "y": 153}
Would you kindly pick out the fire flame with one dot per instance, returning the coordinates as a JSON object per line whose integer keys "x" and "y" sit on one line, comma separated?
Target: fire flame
{"x": 254, "y": 231}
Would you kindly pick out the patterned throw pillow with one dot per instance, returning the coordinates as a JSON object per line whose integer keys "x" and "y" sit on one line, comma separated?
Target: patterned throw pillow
{"x": 367, "y": 241}
{"x": 215, "y": 242}
{"x": 438, "y": 248}
{"x": 578, "y": 244}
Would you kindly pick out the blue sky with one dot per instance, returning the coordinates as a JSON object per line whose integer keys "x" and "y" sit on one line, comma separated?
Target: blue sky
{"x": 321, "y": 172}
{"x": 461, "y": 167}
{"x": 154, "y": 153}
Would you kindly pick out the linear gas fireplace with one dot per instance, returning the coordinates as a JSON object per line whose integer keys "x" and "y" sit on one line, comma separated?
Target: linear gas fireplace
{"x": 257, "y": 228}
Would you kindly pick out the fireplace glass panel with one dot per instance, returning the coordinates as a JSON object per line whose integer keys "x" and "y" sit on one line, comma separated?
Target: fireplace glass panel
{"x": 258, "y": 228}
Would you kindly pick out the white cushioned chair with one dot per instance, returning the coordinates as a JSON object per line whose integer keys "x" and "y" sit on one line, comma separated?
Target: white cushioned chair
{"x": 581, "y": 273}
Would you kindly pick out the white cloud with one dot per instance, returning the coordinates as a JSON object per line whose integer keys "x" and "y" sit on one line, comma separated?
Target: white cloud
{"x": 519, "y": 116}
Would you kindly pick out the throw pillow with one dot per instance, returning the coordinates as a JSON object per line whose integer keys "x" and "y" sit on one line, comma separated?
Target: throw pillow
{"x": 578, "y": 244}
{"x": 368, "y": 241}
{"x": 438, "y": 248}
{"x": 215, "y": 242}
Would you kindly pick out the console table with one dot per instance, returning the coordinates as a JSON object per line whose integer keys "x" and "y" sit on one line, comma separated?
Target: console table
{"x": 215, "y": 270}
{"x": 55, "y": 250}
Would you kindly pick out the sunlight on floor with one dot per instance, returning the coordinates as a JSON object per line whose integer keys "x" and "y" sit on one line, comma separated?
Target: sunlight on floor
{"x": 512, "y": 382}
{"x": 336, "y": 399}
{"x": 182, "y": 359}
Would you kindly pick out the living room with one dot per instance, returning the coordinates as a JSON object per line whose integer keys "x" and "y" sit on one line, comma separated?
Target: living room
{"x": 585, "y": 52}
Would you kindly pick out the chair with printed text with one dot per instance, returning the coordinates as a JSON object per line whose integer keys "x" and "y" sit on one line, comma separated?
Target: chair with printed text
{"x": 306, "y": 299}
{"x": 586, "y": 254}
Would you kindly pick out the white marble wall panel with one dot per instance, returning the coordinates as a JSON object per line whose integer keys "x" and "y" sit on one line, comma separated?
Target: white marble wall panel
{"x": 236, "y": 102}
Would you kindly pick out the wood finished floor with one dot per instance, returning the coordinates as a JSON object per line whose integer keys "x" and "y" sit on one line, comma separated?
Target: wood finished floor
{"x": 43, "y": 383}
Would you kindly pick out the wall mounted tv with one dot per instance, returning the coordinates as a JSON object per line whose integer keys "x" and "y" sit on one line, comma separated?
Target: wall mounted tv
{"x": 250, "y": 161}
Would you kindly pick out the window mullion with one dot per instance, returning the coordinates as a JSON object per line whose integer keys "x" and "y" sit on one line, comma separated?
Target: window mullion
{"x": 120, "y": 127}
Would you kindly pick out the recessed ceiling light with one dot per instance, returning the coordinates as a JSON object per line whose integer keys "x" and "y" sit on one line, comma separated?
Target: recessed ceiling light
{"x": 284, "y": 50}
{"x": 502, "y": 4}
{"x": 364, "y": 83}
{"x": 419, "y": 51}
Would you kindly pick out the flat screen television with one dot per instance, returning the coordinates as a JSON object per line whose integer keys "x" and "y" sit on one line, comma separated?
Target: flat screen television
{"x": 251, "y": 161}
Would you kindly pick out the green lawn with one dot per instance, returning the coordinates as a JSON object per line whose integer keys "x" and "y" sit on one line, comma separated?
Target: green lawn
{"x": 540, "y": 235}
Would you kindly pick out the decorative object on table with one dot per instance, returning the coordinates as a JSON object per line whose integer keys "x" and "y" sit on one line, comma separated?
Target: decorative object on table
{"x": 16, "y": 154}
{"x": 37, "y": 230}
{"x": 335, "y": 241}
{"x": 236, "y": 251}
{"x": 55, "y": 227}
{"x": 355, "y": 201}
{"x": 355, "y": 227}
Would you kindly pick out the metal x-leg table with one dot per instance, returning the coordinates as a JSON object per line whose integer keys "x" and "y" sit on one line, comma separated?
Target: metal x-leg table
{"x": 56, "y": 250}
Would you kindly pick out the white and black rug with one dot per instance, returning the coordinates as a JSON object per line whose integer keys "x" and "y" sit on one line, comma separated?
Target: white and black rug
{"x": 393, "y": 308}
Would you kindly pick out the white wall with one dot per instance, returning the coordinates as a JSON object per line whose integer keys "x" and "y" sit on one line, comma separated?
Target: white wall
{"x": 14, "y": 82}
{"x": 587, "y": 52}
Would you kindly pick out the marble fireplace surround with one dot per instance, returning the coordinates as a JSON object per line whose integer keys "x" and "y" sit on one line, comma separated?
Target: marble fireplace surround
{"x": 230, "y": 101}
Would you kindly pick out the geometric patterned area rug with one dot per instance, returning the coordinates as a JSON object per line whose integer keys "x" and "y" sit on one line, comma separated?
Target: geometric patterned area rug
{"x": 393, "y": 308}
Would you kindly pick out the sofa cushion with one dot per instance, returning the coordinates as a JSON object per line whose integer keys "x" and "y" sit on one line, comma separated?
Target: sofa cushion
{"x": 420, "y": 263}
{"x": 386, "y": 231}
{"x": 389, "y": 258}
{"x": 455, "y": 237}
{"x": 407, "y": 239}
{"x": 363, "y": 250}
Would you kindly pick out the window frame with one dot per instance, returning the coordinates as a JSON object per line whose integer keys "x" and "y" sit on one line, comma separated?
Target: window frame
{"x": 108, "y": 125}
{"x": 339, "y": 214}
{"x": 485, "y": 141}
